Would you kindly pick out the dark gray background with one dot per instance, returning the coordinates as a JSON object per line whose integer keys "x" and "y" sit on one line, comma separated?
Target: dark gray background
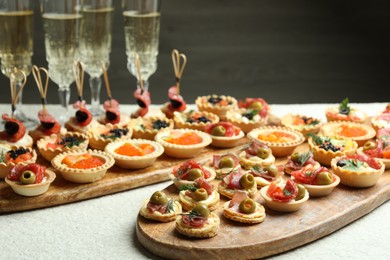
{"x": 285, "y": 51}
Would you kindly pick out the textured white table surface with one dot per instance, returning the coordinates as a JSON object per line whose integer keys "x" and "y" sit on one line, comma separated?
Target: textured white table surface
{"x": 104, "y": 227}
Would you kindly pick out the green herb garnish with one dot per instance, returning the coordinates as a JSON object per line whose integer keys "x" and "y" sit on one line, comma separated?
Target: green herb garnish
{"x": 344, "y": 108}
{"x": 190, "y": 187}
{"x": 2, "y": 155}
{"x": 170, "y": 205}
{"x": 304, "y": 157}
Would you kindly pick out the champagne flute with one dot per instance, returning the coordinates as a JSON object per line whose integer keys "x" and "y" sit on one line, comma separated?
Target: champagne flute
{"x": 95, "y": 44}
{"x": 61, "y": 21}
{"x": 142, "y": 28}
{"x": 16, "y": 43}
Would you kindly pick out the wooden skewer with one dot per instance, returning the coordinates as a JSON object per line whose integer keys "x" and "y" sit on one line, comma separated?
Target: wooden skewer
{"x": 15, "y": 94}
{"x": 78, "y": 71}
{"x": 38, "y": 79}
{"x": 105, "y": 75}
{"x": 178, "y": 67}
{"x": 138, "y": 64}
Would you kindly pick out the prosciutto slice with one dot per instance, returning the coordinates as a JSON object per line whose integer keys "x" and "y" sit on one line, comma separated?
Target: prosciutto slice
{"x": 217, "y": 159}
{"x": 238, "y": 196}
{"x": 253, "y": 148}
{"x": 232, "y": 180}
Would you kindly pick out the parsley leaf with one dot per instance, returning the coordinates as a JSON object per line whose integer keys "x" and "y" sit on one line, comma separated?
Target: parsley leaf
{"x": 304, "y": 157}
{"x": 190, "y": 187}
{"x": 344, "y": 108}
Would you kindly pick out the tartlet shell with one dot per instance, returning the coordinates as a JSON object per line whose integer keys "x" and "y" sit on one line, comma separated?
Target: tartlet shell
{"x": 305, "y": 130}
{"x": 189, "y": 204}
{"x": 321, "y": 190}
{"x": 50, "y": 153}
{"x": 247, "y": 163}
{"x": 167, "y": 217}
{"x": 226, "y": 141}
{"x": 96, "y": 141}
{"x": 246, "y": 127}
{"x": 209, "y": 230}
{"x": 134, "y": 162}
{"x": 220, "y": 111}
{"x": 32, "y": 189}
{"x": 357, "y": 179}
{"x": 290, "y": 206}
{"x": 148, "y": 134}
{"x": 385, "y": 161}
{"x": 254, "y": 218}
{"x": 83, "y": 175}
{"x": 201, "y": 126}
{"x": 183, "y": 151}
{"x": 279, "y": 149}
{"x": 6, "y": 167}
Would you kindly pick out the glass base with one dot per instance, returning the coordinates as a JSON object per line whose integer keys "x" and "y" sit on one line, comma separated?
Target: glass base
{"x": 28, "y": 122}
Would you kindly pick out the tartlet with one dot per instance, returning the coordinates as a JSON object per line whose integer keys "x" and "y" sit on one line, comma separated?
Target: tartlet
{"x": 81, "y": 122}
{"x": 318, "y": 180}
{"x": 238, "y": 180}
{"x": 192, "y": 119}
{"x": 83, "y": 175}
{"x": 291, "y": 204}
{"x": 10, "y": 156}
{"x": 246, "y": 119}
{"x": 148, "y": 127}
{"x": 256, "y": 154}
{"x": 379, "y": 149}
{"x": 135, "y": 153}
{"x": 243, "y": 209}
{"x": 264, "y": 175}
{"x": 357, "y": 132}
{"x": 102, "y": 135}
{"x": 381, "y": 121}
{"x": 224, "y": 164}
{"x": 281, "y": 140}
{"x": 343, "y": 112}
{"x": 224, "y": 134}
{"x": 216, "y": 104}
{"x": 326, "y": 148}
{"x": 359, "y": 171}
{"x": 123, "y": 121}
{"x": 201, "y": 192}
{"x": 23, "y": 180}
{"x": 182, "y": 143}
{"x": 304, "y": 124}
{"x": 50, "y": 146}
{"x": 298, "y": 160}
{"x": 160, "y": 208}
{"x": 14, "y": 133}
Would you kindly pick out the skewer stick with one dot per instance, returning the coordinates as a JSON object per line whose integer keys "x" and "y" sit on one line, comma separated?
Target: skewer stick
{"x": 78, "y": 71}
{"x": 178, "y": 67}
{"x": 108, "y": 88}
{"x": 38, "y": 79}
{"x": 138, "y": 65}
{"x": 15, "y": 94}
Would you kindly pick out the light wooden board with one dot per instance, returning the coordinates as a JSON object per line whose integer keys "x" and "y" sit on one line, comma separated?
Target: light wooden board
{"x": 279, "y": 232}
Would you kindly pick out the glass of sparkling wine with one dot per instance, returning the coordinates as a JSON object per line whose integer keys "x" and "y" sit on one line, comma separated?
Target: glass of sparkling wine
{"x": 61, "y": 23}
{"x": 95, "y": 44}
{"x": 16, "y": 42}
{"x": 142, "y": 29}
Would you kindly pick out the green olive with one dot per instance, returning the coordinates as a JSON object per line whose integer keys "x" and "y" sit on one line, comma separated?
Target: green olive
{"x": 301, "y": 192}
{"x": 200, "y": 194}
{"x": 159, "y": 198}
{"x": 27, "y": 177}
{"x": 247, "y": 181}
{"x": 226, "y": 162}
{"x": 256, "y": 106}
{"x": 324, "y": 178}
{"x": 295, "y": 157}
{"x": 247, "y": 206}
{"x": 201, "y": 210}
{"x": 218, "y": 131}
{"x": 194, "y": 174}
{"x": 369, "y": 145}
{"x": 272, "y": 169}
{"x": 263, "y": 152}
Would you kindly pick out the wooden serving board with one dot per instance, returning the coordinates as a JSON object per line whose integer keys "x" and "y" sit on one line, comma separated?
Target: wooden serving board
{"x": 115, "y": 180}
{"x": 279, "y": 232}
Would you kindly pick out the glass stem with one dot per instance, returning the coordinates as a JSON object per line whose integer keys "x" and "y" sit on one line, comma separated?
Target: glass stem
{"x": 145, "y": 84}
{"x": 95, "y": 83}
{"x": 64, "y": 95}
{"x": 18, "y": 112}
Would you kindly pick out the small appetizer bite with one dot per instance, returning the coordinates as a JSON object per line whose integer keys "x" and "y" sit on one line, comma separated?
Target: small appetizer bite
{"x": 11, "y": 156}
{"x": 318, "y": 180}
{"x": 199, "y": 222}
{"x": 182, "y": 143}
{"x": 187, "y": 172}
{"x": 224, "y": 134}
{"x": 238, "y": 179}
{"x": 225, "y": 163}
{"x": 135, "y": 153}
{"x": 192, "y": 119}
{"x": 264, "y": 175}
{"x": 287, "y": 198}
{"x": 246, "y": 119}
{"x": 298, "y": 160}
{"x": 147, "y": 127}
{"x": 30, "y": 180}
{"x": 201, "y": 192}
{"x": 382, "y": 120}
{"x": 304, "y": 124}
{"x": 82, "y": 166}
{"x": 14, "y": 133}
{"x": 281, "y": 140}
{"x": 257, "y": 104}
{"x": 325, "y": 148}
{"x": 102, "y": 135}
{"x": 216, "y": 104}
{"x": 356, "y": 170}
{"x": 50, "y": 146}
{"x": 344, "y": 112}
{"x": 256, "y": 153}
{"x": 161, "y": 208}
{"x": 379, "y": 149}
{"x": 357, "y": 132}
{"x": 243, "y": 209}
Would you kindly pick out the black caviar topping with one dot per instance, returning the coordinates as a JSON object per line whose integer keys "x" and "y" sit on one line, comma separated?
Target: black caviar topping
{"x": 115, "y": 133}
{"x": 214, "y": 100}
{"x": 15, "y": 153}
{"x": 201, "y": 119}
{"x": 341, "y": 163}
{"x": 69, "y": 141}
{"x": 158, "y": 124}
{"x": 329, "y": 146}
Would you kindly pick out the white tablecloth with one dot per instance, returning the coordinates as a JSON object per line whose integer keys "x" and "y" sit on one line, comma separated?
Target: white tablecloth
{"x": 104, "y": 227}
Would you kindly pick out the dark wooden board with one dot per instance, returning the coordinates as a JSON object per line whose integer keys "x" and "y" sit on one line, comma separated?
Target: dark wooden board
{"x": 279, "y": 232}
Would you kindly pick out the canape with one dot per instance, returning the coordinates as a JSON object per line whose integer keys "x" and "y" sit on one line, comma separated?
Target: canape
{"x": 224, "y": 164}
{"x": 344, "y": 112}
{"x": 245, "y": 119}
{"x": 264, "y": 175}
{"x": 160, "y": 208}
{"x": 14, "y": 133}
{"x": 224, "y": 134}
{"x": 102, "y": 135}
{"x": 193, "y": 119}
{"x": 304, "y": 124}
{"x": 298, "y": 160}
{"x": 379, "y": 149}
{"x": 256, "y": 154}
{"x": 216, "y": 104}
{"x": 238, "y": 179}
{"x": 148, "y": 127}
{"x": 11, "y": 156}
